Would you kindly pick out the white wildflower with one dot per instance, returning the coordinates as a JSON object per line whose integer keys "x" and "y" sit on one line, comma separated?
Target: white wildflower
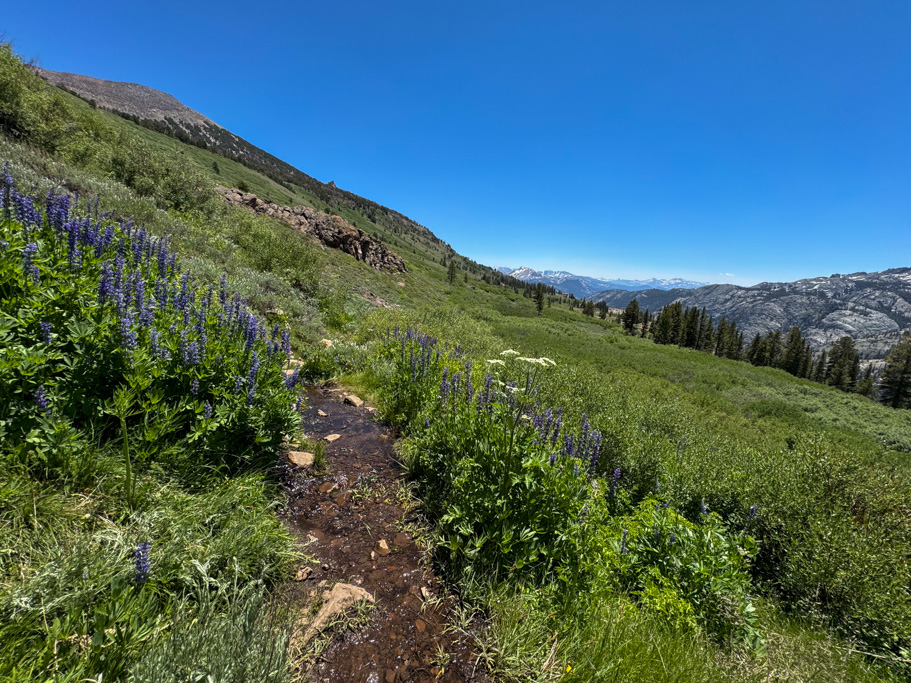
{"x": 509, "y": 352}
{"x": 496, "y": 361}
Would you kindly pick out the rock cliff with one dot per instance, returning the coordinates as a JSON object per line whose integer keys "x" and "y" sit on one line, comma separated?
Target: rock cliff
{"x": 333, "y": 231}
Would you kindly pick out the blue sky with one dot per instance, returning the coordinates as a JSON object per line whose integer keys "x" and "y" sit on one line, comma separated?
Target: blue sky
{"x": 718, "y": 141}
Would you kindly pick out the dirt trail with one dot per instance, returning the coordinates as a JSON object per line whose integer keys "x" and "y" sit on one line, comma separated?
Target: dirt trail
{"x": 342, "y": 517}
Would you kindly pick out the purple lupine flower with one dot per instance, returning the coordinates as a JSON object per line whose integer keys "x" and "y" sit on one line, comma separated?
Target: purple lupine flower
{"x": 40, "y": 397}
{"x": 553, "y": 459}
{"x": 106, "y": 284}
{"x": 128, "y": 340}
{"x": 291, "y": 381}
{"x": 141, "y": 563}
{"x": 594, "y": 451}
{"x": 153, "y": 342}
{"x": 223, "y": 291}
{"x": 673, "y": 538}
{"x": 57, "y": 209}
{"x": 568, "y": 446}
{"x": 238, "y": 384}
{"x": 186, "y": 355}
{"x": 298, "y": 402}
{"x": 73, "y": 244}
{"x": 286, "y": 342}
{"x": 703, "y": 509}
{"x": 444, "y": 385}
{"x": 46, "y": 332}
{"x": 194, "y": 387}
{"x": 28, "y": 255}
{"x": 251, "y": 379}
{"x": 753, "y": 512}
{"x": 24, "y": 209}
{"x": 615, "y": 482}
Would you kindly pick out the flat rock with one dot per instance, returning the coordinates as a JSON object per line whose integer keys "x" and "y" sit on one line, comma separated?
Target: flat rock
{"x": 333, "y": 437}
{"x": 353, "y": 400}
{"x": 382, "y": 548}
{"x": 322, "y": 413}
{"x": 401, "y": 539}
{"x": 301, "y": 458}
{"x": 340, "y": 598}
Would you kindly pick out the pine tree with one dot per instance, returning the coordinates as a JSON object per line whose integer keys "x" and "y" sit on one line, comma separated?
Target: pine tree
{"x": 451, "y": 275}
{"x": 794, "y": 351}
{"x": 646, "y": 323}
{"x": 844, "y": 365}
{"x": 539, "y": 298}
{"x": 630, "y": 316}
{"x": 754, "y": 352}
{"x": 895, "y": 381}
{"x": 819, "y": 370}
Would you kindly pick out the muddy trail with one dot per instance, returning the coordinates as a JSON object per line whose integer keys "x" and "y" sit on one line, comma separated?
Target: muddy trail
{"x": 351, "y": 522}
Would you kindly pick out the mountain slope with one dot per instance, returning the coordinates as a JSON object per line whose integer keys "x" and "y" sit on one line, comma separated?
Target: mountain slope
{"x": 583, "y": 286}
{"x": 873, "y": 308}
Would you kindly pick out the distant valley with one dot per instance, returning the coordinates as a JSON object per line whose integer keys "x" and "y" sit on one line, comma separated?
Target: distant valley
{"x": 873, "y": 308}
{"x": 583, "y": 286}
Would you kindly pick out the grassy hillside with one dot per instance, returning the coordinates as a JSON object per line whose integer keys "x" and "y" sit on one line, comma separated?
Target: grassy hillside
{"x": 789, "y": 499}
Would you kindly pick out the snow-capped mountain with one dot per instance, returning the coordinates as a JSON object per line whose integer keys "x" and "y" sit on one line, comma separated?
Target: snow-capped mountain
{"x": 583, "y": 286}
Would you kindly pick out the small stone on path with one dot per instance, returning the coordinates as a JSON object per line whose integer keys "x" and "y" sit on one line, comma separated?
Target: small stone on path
{"x": 333, "y": 437}
{"x": 301, "y": 458}
{"x": 382, "y": 548}
{"x": 341, "y": 597}
{"x": 353, "y": 400}
{"x": 322, "y": 413}
{"x": 328, "y": 487}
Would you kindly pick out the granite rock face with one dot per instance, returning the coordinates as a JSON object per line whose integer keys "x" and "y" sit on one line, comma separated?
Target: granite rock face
{"x": 333, "y": 231}
{"x": 872, "y": 308}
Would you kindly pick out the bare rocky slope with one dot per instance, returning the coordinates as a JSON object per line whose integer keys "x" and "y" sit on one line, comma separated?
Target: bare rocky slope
{"x": 333, "y": 231}
{"x": 873, "y": 308}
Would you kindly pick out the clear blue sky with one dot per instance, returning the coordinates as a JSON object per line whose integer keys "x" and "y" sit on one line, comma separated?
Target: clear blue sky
{"x": 718, "y": 141}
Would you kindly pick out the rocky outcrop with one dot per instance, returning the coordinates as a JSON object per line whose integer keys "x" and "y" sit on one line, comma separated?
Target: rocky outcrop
{"x": 872, "y": 308}
{"x": 333, "y": 231}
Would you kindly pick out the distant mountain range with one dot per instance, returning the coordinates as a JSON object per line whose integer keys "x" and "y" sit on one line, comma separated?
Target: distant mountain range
{"x": 583, "y": 286}
{"x": 873, "y": 308}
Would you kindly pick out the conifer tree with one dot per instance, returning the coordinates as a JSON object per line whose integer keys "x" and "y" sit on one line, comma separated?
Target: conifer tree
{"x": 630, "y": 316}
{"x": 819, "y": 370}
{"x": 895, "y": 381}
{"x": 844, "y": 365}
{"x": 794, "y": 351}
{"x": 539, "y": 298}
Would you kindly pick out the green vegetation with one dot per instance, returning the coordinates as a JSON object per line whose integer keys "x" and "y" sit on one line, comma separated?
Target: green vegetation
{"x": 135, "y": 412}
{"x": 797, "y": 570}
